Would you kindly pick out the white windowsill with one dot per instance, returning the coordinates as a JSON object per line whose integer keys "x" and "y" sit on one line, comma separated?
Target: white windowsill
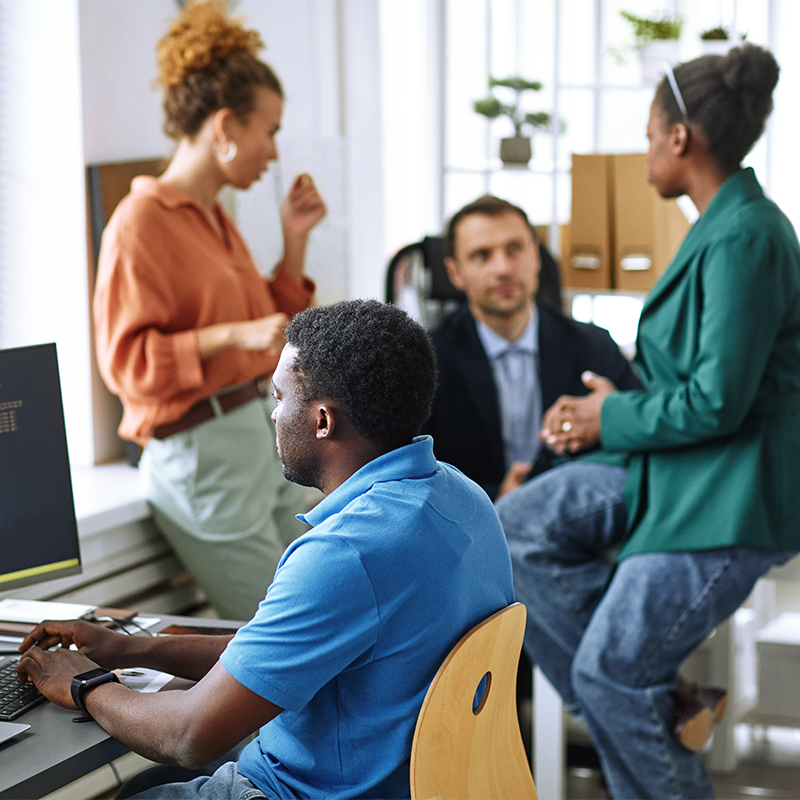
{"x": 107, "y": 496}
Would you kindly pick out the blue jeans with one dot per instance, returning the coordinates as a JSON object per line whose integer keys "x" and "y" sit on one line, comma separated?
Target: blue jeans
{"x": 224, "y": 784}
{"x": 612, "y": 638}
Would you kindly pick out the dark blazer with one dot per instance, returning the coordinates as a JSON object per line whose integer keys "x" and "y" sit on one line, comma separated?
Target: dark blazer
{"x": 465, "y": 423}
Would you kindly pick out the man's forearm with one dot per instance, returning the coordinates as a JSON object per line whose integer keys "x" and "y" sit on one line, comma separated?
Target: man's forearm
{"x": 155, "y": 726}
{"x": 190, "y": 728}
{"x": 187, "y": 656}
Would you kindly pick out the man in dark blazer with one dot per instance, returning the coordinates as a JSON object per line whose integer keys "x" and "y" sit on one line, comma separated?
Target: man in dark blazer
{"x": 487, "y": 412}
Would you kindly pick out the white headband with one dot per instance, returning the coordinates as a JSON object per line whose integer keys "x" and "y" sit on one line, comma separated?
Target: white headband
{"x": 676, "y": 92}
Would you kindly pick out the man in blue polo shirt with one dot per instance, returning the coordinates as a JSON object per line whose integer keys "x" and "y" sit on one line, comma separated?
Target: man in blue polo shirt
{"x": 405, "y": 555}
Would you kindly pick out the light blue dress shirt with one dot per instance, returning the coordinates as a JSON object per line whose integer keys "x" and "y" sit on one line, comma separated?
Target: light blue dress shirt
{"x": 515, "y": 366}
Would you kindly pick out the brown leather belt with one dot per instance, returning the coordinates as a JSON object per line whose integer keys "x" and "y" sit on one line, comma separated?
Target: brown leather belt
{"x": 205, "y": 409}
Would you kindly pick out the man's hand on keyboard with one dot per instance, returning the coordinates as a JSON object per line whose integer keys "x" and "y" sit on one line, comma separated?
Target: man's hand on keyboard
{"x": 95, "y": 642}
{"x": 52, "y": 671}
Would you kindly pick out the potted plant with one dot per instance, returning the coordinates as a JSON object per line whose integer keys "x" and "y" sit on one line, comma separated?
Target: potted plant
{"x": 656, "y": 42}
{"x": 515, "y": 150}
{"x": 716, "y": 41}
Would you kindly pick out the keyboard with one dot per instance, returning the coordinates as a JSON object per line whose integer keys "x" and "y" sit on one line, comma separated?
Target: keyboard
{"x": 16, "y": 697}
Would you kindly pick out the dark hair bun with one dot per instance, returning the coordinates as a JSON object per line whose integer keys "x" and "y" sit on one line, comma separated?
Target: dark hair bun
{"x": 751, "y": 72}
{"x": 728, "y": 97}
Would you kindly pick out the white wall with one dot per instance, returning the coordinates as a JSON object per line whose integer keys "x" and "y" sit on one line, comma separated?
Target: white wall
{"x": 43, "y": 261}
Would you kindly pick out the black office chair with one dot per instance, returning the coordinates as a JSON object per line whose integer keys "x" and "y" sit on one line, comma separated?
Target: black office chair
{"x": 417, "y": 281}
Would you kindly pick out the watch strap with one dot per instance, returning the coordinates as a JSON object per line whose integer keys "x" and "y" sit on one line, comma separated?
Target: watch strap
{"x": 85, "y": 682}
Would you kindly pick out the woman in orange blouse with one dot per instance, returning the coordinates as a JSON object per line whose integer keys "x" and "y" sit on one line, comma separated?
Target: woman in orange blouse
{"x": 188, "y": 331}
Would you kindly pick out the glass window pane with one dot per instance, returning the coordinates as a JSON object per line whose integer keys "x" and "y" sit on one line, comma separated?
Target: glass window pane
{"x": 538, "y": 41}
{"x": 505, "y": 35}
{"x": 466, "y": 133}
{"x": 623, "y": 120}
{"x": 461, "y": 188}
{"x": 577, "y": 52}
{"x": 532, "y": 192}
{"x": 576, "y": 107}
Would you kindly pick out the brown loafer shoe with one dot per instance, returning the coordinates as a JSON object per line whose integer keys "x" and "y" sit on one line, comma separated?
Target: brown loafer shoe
{"x": 697, "y": 713}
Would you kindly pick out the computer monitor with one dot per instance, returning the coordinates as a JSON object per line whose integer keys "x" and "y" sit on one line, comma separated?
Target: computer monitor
{"x": 38, "y": 530}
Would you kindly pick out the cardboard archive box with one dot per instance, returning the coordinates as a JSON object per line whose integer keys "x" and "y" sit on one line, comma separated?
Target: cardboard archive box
{"x": 647, "y": 228}
{"x": 591, "y": 247}
{"x": 622, "y": 233}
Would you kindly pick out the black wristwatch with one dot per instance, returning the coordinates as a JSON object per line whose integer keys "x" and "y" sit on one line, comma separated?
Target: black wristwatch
{"x": 86, "y": 681}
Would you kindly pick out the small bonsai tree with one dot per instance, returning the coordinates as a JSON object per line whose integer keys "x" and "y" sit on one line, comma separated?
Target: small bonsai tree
{"x": 491, "y": 108}
{"x": 647, "y": 30}
{"x": 718, "y": 34}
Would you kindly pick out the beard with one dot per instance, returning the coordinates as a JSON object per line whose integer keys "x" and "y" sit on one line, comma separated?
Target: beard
{"x": 504, "y": 313}
{"x": 299, "y": 463}
{"x": 303, "y": 473}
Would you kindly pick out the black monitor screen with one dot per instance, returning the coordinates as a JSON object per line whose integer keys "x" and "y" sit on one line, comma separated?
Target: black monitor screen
{"x": 38, "y": 532}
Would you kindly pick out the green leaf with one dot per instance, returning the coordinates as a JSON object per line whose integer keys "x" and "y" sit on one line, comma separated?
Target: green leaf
{"x": 718, "y": 34}
{"x": 646, "y": 29}
{"x": 489, "y": 107}
{"x": 517, "y": 83}
{"x": 538, "y": 119}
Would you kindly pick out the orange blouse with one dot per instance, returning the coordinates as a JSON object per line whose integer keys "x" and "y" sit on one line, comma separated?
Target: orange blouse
{"x": 163, "y": 273}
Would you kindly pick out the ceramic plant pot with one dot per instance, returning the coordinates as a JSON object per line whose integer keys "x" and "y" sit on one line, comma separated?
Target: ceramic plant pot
{"x": 516, "y": 150}
{"x": 653, "y": 56}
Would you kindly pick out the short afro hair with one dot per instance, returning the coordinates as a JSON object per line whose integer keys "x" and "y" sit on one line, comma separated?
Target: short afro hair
{"x": 373, "y": 360}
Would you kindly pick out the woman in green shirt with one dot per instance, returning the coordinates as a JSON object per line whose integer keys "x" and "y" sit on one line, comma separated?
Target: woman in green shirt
{"x": 711, "y": 444}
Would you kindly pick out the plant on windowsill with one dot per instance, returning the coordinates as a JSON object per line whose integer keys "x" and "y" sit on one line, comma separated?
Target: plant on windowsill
{"x": 515, "y": 150}
{"x": 656, "y": 40}
{"x": 717, "y": 41}
{"x": 718, "y": 34}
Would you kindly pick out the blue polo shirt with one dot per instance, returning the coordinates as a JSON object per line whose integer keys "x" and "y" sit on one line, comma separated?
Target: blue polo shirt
{"x": 403, "y": 558}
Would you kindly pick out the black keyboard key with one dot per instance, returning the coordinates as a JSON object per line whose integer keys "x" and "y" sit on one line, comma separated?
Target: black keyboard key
{"x": 16, "y": 697}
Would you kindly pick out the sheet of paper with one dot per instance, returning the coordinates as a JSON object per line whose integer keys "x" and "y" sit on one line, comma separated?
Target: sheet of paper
{"x": 36, "y": 611}
{"x": 136, "y": 625}
{"x": 144, "y": 680}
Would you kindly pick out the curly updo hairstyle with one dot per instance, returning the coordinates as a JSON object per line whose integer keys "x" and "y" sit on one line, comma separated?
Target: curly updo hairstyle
{"x": 728, "y": 97}
{"x": 207, "y": 61}
{"x": 375, "y": 361}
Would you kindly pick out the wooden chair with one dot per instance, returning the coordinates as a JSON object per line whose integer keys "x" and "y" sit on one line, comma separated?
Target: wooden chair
{"x": 467, "y": 742}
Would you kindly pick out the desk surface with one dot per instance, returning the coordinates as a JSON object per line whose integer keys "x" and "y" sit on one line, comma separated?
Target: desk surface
{"x": 55, "y": 751}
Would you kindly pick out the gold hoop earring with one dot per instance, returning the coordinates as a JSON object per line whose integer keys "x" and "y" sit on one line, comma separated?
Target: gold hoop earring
{"x": 230, "y": 151}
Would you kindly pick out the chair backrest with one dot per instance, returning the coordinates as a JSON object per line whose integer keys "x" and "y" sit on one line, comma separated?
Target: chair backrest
{"x": 467, "y": 743}
{"x": 417, "y": 281}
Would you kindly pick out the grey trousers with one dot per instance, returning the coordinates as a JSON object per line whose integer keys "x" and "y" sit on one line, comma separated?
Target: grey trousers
{"x": 218, "y": 496}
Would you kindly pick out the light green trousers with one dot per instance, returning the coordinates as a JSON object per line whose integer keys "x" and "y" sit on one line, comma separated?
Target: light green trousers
{"x": 219, "y": 497}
